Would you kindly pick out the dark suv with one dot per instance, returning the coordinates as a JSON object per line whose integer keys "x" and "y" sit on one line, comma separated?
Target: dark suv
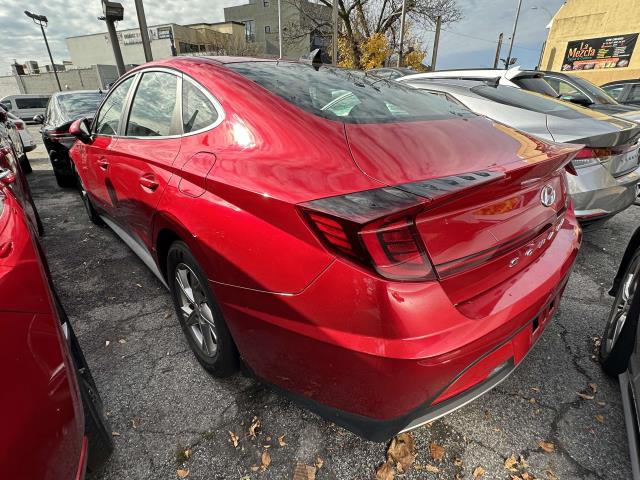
{"x": 62, "y": 110}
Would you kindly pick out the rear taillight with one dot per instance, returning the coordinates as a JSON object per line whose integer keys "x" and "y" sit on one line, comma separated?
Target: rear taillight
{"x": 377, "y": 229}
{"x": 586, "y": 158}
{"x": 19, "y": 125}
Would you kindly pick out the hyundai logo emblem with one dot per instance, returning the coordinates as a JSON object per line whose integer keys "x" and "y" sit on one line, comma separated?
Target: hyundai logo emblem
{"x": 548, "y": 195}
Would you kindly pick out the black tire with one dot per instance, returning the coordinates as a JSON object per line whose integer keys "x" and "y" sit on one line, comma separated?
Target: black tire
{"x": 25, "y": 165}
{"x": 224, "y": 361}
{"x": 86, "y": 201}
{"x": 615, "y": 349}
{"x": 96, "y": 426}
{"x": 65, "y": 180}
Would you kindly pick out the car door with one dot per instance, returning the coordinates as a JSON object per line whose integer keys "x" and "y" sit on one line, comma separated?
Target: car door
{"x": 142, "y": 158}
{"x": 92, "y": 161}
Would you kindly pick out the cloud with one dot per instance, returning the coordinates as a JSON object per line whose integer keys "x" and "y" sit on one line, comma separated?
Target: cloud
{"x": 468, "y": 43}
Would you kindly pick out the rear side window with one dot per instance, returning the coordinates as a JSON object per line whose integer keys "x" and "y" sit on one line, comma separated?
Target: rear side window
{"x": 197, "y": 110}
{"x": 634, "y": 94}
{"x": 348, "y": 96}
{"x": 35, "y": 102}
{"x": 154, "y": 106}
{"x": 76, "y": 105}
{"x": 535, "y": 102}
{"x": 108, "y": 122}
{"x": 535, "y": 84}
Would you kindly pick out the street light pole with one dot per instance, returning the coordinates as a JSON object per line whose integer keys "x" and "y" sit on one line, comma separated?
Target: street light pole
{"x": 279, "y": 30}
{"x": 402, "y": 15}
{"x": 436, "y": 44}
{"x": 144, "y": 31}
{"x": 334, "y": 22}
{"x": 114, "y": 12}
{"x": 42, "y": 21}
{"x": 513, "y": 35}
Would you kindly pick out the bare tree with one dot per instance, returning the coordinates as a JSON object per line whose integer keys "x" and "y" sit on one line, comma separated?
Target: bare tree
{"x": 360, "y": 19}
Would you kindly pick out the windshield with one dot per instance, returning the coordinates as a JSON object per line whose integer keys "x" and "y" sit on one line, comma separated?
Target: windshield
{"x": 346, "y": 95}
{"x": 77, "y": 105}
{"x": 599, "y": 94}
{"x": 535, "y": 102}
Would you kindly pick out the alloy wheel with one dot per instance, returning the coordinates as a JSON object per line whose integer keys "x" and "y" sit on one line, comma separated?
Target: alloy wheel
{"x": 196, "y": 310}
{"x": 623, "y": 302}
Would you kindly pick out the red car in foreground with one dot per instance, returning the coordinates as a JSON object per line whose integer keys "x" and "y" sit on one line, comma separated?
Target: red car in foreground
{"x": 375, "y": 252}
{"x": 51, "y": 413}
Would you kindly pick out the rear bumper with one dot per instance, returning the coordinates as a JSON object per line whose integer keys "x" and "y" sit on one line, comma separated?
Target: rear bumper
{"x": 597, "y": 194}
{"x": 379, "y": 357}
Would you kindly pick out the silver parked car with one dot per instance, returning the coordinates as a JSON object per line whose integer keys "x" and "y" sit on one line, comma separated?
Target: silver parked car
{"x": 607, "y": 167}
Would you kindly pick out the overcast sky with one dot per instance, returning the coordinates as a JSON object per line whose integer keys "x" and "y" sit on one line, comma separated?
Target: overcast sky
{"x": 468, "y": 43}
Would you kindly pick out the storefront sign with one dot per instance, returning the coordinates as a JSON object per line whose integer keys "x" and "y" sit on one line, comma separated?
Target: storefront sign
{"x": 602, "y": 52}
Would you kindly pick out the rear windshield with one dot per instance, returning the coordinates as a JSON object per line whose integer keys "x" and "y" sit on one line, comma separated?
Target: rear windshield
{"x": 535, "y": 84}
{"x": 346, "y": 95}
{"x": 535, "y": 102}
{"x": 76, "y": 105}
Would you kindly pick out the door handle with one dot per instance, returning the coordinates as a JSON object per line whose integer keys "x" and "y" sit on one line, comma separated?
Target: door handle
{"x": 149, "y": 181}
{"x": 103, "y": 164}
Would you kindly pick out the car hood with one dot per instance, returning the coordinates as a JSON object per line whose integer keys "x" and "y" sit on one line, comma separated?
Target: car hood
{"x": 395, "y": 153}
{"x": 594, "y": 129}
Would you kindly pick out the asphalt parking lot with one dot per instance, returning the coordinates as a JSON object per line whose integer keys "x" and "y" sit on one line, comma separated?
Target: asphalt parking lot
{"x": 169, "y": 417}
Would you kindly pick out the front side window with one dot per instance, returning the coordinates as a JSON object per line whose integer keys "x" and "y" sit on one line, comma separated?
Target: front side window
{"x": 348, "y": 96}
{"x": 594, "y": 91}
{"x": 197, "y": 110}
{"x": 614, "y": 90}
{"x": 154, "y": 106}
{"x": 108, "y": 120}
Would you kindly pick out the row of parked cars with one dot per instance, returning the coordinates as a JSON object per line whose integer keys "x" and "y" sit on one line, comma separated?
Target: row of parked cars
{"x": 256, "y": 190}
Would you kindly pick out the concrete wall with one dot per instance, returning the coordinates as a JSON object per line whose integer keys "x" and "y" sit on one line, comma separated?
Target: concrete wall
{"x": 98, "y": 76}
{"x": 8, "y": 86}
{"x": 584, "y": 19}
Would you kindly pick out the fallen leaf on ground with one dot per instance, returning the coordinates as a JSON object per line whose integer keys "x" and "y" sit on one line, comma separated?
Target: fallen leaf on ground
{"x": 115, "y": 434}
{"x": 282, "y": 443}
{"x": 122, "y": 340}
{"x": 535, "y": 389}
{"x": 383, "y": 472}
{"x": 187, "y": 453}
{"x": 550, "y": 475}
{"x": 593, "y": 387}
{"x": 600, "y": 418}
{"x": 584, "y": 396}
{"x": 167, "y": 315}
{"x": 511, "y": 463}
{"x": 436, "y": 451}
{"x": 457, "y": 462}
{"x": 402, "y": 451}
{"x": 546, "y": 446}
{"x": 135, "y": 422}
{"x": 234, "y": 439}
{"x": 106, "y": 344}
{"x": 478, "y": 472}
{"x": 266, "y": 460}
{"x": 255, "y": 426}
{"x": 255, "y": 468}
{"x": 527, "y": 476}
{"x": 319, "y": 463}
{"x": 305, "y": 472}
{"x": 182, "y": 473}
{"x": 602, "y": 404}
{"x": 431, "y": 468}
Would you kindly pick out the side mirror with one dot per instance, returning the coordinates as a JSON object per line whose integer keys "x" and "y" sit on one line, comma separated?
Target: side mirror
{"x": 578, "y": 100}
{"x": 7, "y": 177}
{"x": 39, "y": 118}
{"x": 79, "y": 129}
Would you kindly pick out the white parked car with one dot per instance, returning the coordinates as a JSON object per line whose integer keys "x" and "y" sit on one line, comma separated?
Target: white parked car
{"x": 28, "y": 143}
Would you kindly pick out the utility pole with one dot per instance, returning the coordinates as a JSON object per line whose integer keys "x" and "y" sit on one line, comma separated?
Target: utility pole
{"x": 42, "y": 21}
{"x": 144, "y": 31}
{"x": 114, "y": 12}
{"x": 402, "y": 15}
{"x": 279, "y": 30}
{"x": 334, "y": 21}
{"x": 513, "y": 35}
{"x": 497, "y": 59}
{"x": 436, "y": 42}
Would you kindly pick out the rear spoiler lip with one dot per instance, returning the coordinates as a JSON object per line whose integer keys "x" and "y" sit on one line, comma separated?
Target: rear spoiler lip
{"x": 623, "y": 137}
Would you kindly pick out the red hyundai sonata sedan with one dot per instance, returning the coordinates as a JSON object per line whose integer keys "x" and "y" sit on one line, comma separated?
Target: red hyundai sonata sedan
{"x": 375, "y": 252}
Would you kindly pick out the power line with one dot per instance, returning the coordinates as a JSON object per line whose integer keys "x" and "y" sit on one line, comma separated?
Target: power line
{"x": 493, "y": 42}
